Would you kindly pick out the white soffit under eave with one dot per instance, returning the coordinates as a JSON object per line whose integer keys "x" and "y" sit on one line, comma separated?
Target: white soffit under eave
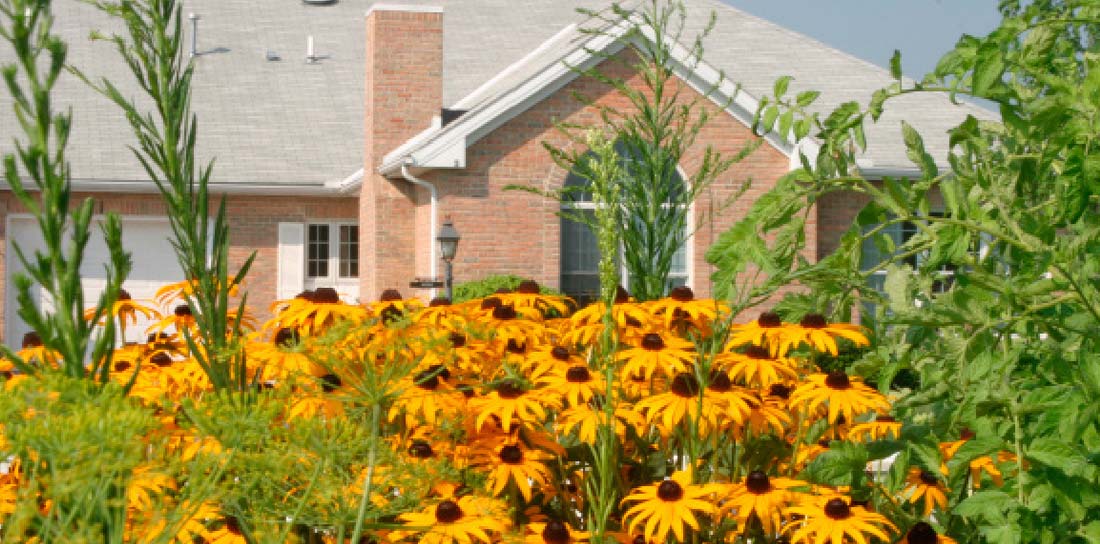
{"x": 446, "y": 147}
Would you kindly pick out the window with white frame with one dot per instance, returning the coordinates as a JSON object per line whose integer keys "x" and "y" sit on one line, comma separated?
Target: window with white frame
{"x": 332, "y": 253}
{"x": 894, "y": 236}
{"x": 580, "y": 252}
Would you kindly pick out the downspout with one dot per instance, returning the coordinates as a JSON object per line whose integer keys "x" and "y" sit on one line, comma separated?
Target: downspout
{"x": 434, "y": 213}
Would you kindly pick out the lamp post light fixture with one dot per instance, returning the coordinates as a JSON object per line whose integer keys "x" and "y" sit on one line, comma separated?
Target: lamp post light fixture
{"x": 448, "y": 245}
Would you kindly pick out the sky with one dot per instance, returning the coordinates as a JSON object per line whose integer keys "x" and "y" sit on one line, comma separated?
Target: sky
{"x": 872, "y": 29}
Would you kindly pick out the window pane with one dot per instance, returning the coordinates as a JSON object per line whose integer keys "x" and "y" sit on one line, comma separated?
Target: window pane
{"x": 580, "y": 259}
{"x": 349, "y": 251}
{"x": 317, "y": 251}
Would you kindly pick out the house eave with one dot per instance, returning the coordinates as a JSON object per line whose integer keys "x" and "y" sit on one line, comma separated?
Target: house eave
{"x": 237, "y": 188}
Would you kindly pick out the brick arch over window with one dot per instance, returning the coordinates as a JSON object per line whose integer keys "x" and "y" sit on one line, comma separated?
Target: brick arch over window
{"x": 580, "y": 252}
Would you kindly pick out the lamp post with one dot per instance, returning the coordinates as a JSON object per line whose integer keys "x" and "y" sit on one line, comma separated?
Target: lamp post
{"x": 448, "y": 245}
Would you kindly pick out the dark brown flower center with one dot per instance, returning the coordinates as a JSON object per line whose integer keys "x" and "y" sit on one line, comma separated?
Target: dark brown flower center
{"x": 555, "y": 532}
{"x": 504, "y": 312}
{"x": 837, "y": 379}
{"x": 670, "y": 491}
{"x": 329, "y": 382}
{"x": 511, "y": 455}
{"x": 922, "y": 533}
{"x": 287, "y": 336}
{"x": 928, "y": 478}
{"x": 528, "y": 287}
{"x": 622, "y": 296}
{"x": 837, "y": 509}
{"x": 516, "y": 347}
{"x": 966, "y": 434}
{"x": 885, "y": 419}
{"x": 182, "y": 310}
{"x": 161, "y": 359}
{"x": 490, "y": 303}
{"x": 560, "y": 353}
{"x": 758, "y": 482}
{"x": 122, "y": 366}
{"x": 813, "y": 321}
{"x": 578, "y": 374}
{"x": 439, "y": 301}
{"x": 124, "y": 295}
{"x": 631, "y": 322}
{"x": 389, "y": 295}
{"x": 448, "y": 512}
{"x": 420, "y": 450}
{"x": 769, "y": 320}
{"x": 779, "y": 390}
{"x": 509, "y": 390}
{"x": 684, "y": 385}
{"x": 682, "y": 294}
{"x": 720, "y": 382}
{"x": 757, "y": 352}
{"x": 31, "y": 340}
{"x": 427, "y": 380}
{"x": 458, "y": 339}
{"x": 653, "y": 342}
{"x": 328, "y": 295}
{"x": 233, "y": 526}
{"x": 305, "y": 295}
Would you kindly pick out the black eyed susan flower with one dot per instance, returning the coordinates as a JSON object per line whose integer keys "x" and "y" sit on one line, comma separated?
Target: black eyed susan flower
{"x": 514, "y": 463}
{"x": 839, "y": 395}
{"x": 586, "y": 419}
{"x": 655, "y": 352}
{"x": 756, "y": 367}
{"x": 767, "y": 330}
{"x": 553, "y": 532}
{"x": 927, "y": 487}
{"x": 762, "y": 497}
{"x": 834, "y": 520}
{"x": 126, "y": 311}
{"x": 461, "y": 520}
{"x": 684, "y": 399}
{"x": 923, "y": 533}
{"x": 768, "y": 416}
{"x": 681, "y": 305}
{"x": 736, "y": 403}
{"x": 669, "y": 505}
{"x": 883, "y": 427}
{"x": 426, "y": 395}
{"x": 312, "y": 311}
{"x": 229, "y": 533}
{"x": 575, "y": 384}
{"x": 528, "y": 294}
{"x": 512, "y": 404}
{"x": 33, "y": 351}
{"x": 821, "y": 335}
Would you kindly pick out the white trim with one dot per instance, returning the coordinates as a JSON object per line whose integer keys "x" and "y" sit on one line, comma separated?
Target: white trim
{"x": 348, "y": 184}
{"x": 334, "y": 241}
{"x": 407, "y": 8}
{"x": 237, "y": 188}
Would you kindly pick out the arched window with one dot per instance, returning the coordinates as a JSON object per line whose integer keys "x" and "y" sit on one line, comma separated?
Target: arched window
{"x": 580, "y": 252}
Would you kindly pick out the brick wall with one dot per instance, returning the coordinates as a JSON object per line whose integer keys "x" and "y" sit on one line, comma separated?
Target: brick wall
{"x": 517, "y": 232}
{"x": 404, "y": 90}
{"x": 253, "y": 226}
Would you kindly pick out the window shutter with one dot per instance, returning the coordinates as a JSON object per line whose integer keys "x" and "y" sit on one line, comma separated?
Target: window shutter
{"x": 292, "y": 258}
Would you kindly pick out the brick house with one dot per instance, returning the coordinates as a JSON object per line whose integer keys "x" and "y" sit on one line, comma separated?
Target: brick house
{"x": 339, "y": 168}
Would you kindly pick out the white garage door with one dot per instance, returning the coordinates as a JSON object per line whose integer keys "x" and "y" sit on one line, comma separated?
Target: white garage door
{"x": 147, "y": 240}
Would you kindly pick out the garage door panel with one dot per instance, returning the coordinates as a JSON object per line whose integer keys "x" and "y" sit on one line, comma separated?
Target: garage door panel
{"x": 147, "y": 240}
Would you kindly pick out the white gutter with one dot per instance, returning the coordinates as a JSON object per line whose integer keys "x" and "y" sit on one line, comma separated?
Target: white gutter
{"x": 232, "y": 188}
{"x": 347, "y": 184}
{"x": 434, "y": 213}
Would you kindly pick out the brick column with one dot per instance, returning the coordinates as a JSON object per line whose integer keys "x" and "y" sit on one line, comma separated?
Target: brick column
{"x": 404, "y": 90}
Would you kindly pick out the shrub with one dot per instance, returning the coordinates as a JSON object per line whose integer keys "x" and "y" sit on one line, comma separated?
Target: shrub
{"x": 489, "y": 285}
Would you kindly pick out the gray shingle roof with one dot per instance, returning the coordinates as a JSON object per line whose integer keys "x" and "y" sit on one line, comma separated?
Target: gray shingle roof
{"x": 297, "y": 124}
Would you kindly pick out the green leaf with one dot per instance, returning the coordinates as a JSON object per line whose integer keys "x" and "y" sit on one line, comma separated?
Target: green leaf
{"x": 1059, "y": 455}
{"x": 1091, "y": 532}
{"x": 805, "y": 98}
{"x": 781, "y": 85}
{"x": 989, "y": 66}
{"x": 916, "y": 153}
{"x": 989, "y": 505}
{"x": 895, "y": 65}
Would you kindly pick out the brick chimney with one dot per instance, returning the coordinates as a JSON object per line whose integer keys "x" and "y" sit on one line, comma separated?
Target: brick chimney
{"x": 404, "y": 91}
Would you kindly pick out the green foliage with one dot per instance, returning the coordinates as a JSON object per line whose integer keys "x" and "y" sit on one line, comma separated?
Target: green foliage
{"x": 1005, "y": 342}
{"x": 653, "y": 134}
{"x": 153, "y": 50}
{"x": 41, "y": 159}
{"x": 490, "y": 284}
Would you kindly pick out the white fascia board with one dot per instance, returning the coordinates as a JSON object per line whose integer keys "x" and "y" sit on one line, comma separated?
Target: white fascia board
{"x": 148, "y": 187}
{"x": 879, "y": 172}
{"x": 408, "y": 8}
{"x": 447, "y": 148}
